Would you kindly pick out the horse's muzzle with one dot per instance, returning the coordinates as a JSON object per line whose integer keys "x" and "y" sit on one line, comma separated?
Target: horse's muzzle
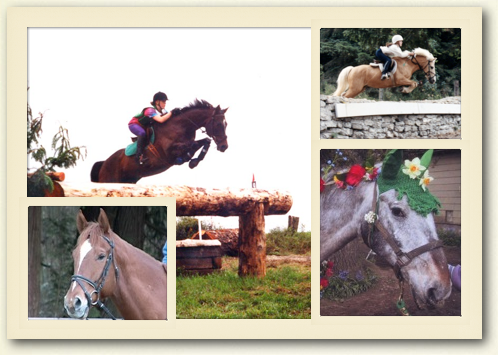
{"x": 222, "y": 147}
{"x": 76, "y": 307}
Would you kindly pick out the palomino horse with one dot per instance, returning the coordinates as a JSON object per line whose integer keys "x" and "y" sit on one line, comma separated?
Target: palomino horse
{"x": 356, "y": 79}
{"x": 105, "y": 266}
{"x": 174, "y": 144}
{"x": 403, "y": 231}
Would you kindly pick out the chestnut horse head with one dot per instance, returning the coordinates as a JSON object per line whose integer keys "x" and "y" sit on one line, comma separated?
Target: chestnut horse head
{"x": 105, "y": 266}
{"x": 352, "y": 81}
{"x": 174, "y": 144}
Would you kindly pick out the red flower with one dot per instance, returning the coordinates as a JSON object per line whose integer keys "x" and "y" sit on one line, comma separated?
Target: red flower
{"x": 322, "y": 185}
{"x": 330, "y": 264}
{"x": 355, "y": 175}
{"x": 329, "y": 272}
{"x": 323, "y": 283}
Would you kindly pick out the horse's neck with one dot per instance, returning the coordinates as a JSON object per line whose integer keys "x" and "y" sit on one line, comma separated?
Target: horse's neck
{"x": 342, "y": 213}
{"x": 137, "y": 276}
{"x": 186, "y": 123}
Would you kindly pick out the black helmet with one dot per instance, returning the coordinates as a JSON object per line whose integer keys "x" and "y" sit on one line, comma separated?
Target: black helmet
{"x": 161, "y": 96}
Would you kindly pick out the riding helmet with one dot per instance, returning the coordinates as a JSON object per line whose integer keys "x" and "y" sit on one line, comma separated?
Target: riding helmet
{"x": 396, "y": 38}
{"x": 161, "y": 96}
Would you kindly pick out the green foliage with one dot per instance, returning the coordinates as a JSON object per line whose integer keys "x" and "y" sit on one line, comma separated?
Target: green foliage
{"x": 288, "y": 242}
{"x": 450, "y": 237}
{"x": 186, "y": 227}
{"x": 64, "y": 155}
{"x": 339, "y": 285}
{"x": 340, "y": 48}
{"x": 285, "y": 293}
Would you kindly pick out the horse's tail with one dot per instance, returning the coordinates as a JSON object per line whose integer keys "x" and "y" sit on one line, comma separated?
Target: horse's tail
{"x": 342, "y": 81}
{"x": 94, "y": 175}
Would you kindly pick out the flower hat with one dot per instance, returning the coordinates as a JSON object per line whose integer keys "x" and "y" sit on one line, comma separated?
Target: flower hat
{"x": 409, "y": 178}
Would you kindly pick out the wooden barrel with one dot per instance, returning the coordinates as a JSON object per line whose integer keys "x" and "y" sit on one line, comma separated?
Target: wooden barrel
{"x": 198, "y": 256}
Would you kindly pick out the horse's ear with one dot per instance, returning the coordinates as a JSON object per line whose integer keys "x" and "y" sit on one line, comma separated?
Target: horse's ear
{"x": 217, "y": 109}
{"x": 81, "y": 222}
{"x": 426, "y": 158}
{"x": 392, "y": 163}
{"x": 103, "y": 221}
{"x": 225, "y": 110}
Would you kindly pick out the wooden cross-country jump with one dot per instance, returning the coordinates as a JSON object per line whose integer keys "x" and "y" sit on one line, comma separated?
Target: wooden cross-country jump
{"x": 250, "y": 205}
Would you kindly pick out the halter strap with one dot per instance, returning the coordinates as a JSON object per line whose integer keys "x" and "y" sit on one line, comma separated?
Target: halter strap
{"x": 402, "y": 258}
{"x": 415, "y": 61}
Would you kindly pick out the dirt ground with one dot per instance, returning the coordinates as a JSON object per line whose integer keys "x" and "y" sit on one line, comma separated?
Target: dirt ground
{"x": 380, "y": 299}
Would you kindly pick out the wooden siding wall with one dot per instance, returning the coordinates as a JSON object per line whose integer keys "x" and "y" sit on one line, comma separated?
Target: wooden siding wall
{"x": 446, "y": 186}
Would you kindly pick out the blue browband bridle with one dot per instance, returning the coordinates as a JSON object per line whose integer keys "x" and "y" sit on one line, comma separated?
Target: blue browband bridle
{"x": 99, "y": 284}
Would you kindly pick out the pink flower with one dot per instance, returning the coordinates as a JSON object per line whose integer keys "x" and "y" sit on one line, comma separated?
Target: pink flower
{"x": 322, "y": 185}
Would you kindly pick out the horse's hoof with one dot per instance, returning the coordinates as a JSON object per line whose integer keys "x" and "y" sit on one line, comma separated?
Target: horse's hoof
{"x": 193, "y": 163}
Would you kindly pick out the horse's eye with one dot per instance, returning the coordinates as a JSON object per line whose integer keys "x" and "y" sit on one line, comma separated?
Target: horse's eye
{"x": 398, "y": 212}
{"x": 101, "y": 257}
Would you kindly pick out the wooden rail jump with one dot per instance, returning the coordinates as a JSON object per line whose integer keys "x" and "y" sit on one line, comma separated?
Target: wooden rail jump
{"x": 250, "y": 205}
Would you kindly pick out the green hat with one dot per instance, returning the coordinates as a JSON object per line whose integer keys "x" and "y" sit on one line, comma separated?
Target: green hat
{"x": 395, "y": 176}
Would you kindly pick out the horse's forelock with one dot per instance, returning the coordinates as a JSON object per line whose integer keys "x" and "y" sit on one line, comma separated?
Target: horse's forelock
{"x": 423, "y": 52}
{"x": 93, "y": 233}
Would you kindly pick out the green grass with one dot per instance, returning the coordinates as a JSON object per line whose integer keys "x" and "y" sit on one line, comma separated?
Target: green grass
{"x": 288, "y": 242}
{"x": 285, "y": 293}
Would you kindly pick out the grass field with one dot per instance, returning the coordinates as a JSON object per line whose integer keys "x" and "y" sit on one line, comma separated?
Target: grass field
{"x": 284, "y": 293}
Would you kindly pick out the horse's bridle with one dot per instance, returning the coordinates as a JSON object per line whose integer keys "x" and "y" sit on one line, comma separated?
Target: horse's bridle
{"x": 211, "y": 131}
{"x": 99, "y": 284}
{"x": 402, "y": 258}
{"x": 428, "y": 75}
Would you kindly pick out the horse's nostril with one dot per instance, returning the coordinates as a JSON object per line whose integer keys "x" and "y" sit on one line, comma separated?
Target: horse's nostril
{"x": 77, "y": 303}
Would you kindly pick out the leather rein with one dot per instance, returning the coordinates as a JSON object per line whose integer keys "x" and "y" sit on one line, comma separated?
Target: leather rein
{"x": 428, "y": 75}
{"x": 402, "y": 258}
{"x": 99, "y": 284}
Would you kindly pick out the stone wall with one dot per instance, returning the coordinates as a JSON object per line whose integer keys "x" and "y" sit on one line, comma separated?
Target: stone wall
{"x": 387, "y": 126}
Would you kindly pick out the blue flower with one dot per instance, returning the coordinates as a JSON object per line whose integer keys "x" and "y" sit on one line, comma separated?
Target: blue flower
{"x": 349, "y": 188}
{"x": 333, "y": 165}
{"x": 359, "y": 276}
{"x": 343, "y": 274}
{"x": 340, "y": 153}
{"x": 329, "y": 162}
{"x": 345, "y": 158}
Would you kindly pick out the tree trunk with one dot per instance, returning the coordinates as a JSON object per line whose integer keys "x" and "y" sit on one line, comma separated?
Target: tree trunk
{"x": 129, "y": 224}
{"x": 195, "y": 201}
{"x": 34, "y": 260}
{"x": 293, "y": 223}
{"x": 252, "y": 242}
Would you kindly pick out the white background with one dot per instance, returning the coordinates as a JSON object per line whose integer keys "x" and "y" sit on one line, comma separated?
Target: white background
{"x": 92, "y": 81}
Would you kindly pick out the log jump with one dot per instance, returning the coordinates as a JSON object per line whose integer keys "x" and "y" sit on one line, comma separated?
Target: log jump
{"x": 250, "y": 205}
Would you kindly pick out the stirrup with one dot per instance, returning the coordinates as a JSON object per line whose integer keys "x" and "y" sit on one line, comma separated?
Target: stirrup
{"x": 142, "y": 159}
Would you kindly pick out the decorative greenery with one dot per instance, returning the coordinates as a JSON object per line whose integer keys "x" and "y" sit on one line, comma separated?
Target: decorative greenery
{"x": 64, "y": 155}
{"x": 341, "y": 285}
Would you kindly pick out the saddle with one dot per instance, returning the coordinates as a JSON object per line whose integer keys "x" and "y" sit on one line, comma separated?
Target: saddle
{"x": 131, "y": 149}
{"x": 380, "y": 65}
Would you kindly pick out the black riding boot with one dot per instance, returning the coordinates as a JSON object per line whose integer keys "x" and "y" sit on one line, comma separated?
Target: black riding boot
{"x": 141, "y": 143}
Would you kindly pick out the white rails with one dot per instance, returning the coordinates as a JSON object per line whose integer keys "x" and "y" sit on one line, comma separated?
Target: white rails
{"x": 394, "y": 108}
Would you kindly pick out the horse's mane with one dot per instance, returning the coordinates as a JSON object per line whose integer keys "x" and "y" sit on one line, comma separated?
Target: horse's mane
{"x": 424, "y": 53}
{"x": 196, "y": 105}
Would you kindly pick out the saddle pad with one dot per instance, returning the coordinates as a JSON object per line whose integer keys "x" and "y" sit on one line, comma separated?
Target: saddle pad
{"x": 381, "y": 66}
{"x": 131, "y": 149}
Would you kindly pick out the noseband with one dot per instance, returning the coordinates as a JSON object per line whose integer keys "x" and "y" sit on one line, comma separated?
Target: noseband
{"x": 402, "y": 258}
{"x": 99, "y": 284}
{"x": 428, "y": 75}
{"x": 217, "y": 137}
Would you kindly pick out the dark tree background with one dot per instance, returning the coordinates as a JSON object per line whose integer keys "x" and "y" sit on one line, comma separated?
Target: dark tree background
{"x": 341, "y": 47}
{"x": 52, "y": 237}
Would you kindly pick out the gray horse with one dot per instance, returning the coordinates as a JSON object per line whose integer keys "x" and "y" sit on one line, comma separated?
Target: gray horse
{"x": 403, "y": 233}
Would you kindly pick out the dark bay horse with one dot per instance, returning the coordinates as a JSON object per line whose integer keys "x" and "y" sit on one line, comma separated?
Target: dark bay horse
{"x": 105, "y": 266}
{"x": 174, "y": 144}
{"x": 356, "y": 79}
{"x": 403, "y": 233}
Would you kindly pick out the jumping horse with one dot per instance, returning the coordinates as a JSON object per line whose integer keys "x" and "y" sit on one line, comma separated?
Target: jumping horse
{"x": 356, "y": 79}
{"x": 105, "y": 266}
{"x": 174, "y": 144}
{"x": 394, "y": 216}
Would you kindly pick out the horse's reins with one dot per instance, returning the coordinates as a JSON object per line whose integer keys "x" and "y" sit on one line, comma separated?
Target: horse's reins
{"x": 428, "y": 74}
{"x": 402, "y": 258}
{"x": 209, "y": 131}
{"x": 99, "y": 284}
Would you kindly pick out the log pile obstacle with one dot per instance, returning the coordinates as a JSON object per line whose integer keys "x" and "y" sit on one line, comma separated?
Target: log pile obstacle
{"x": 250, "y": 205}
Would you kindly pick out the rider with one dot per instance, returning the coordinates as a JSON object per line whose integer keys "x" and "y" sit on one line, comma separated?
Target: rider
{"x": 140, "y": 122}
{"x": 384, "y": 54}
